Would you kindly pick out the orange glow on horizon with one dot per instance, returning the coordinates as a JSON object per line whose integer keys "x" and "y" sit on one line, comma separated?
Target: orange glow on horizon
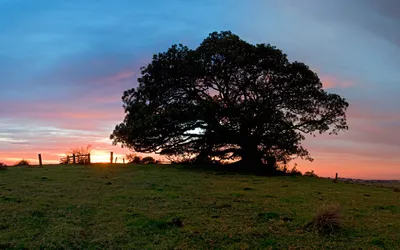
{"x": 328, "y": 160}
{"x": 103, "y": 156}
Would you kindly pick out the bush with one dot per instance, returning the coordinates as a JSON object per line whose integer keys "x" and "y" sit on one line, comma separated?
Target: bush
{"x": 295, "y": 171}
{"x": 310, "y": 174}
{"x": 327, "y": 219}
{"x": 148, "y": 160}
{"x": 23, "y": 163}
{"x": 136, "y": 160}
{"x": 3, "y": 166}
{"x": 133, "y": 158}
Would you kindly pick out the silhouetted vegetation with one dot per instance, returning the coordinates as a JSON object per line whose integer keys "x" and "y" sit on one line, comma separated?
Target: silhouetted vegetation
{"x": 228, "y": 100}
{"x": 3, "y": 166}
{"x": 23, "y": 162}
{"x": 135, "y": 159}
{"x": 148, "y": 160}
{"x": 295, "y": 171}
{"x": 310, "y": 174}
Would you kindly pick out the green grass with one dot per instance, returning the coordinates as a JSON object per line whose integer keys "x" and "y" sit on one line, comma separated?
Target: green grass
{"x": 133, "y": 207}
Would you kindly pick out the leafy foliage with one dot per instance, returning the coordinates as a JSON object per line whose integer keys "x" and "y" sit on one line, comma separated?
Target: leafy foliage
{"x": 23, "y": 162}
{"x": 228, "y": 100}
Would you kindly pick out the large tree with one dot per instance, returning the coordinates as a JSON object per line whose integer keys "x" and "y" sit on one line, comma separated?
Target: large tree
{"x": 227, "y": 99}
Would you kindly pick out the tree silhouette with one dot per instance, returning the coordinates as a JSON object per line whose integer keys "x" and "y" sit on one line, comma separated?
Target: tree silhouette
{"x": 227, "y": 99}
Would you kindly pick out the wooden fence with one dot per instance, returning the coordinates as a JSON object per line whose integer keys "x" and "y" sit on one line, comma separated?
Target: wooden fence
{"x": 76, "y": 159}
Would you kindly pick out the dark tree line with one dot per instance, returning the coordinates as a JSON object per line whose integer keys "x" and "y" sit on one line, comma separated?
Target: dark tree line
{"x": 228, "y": 100}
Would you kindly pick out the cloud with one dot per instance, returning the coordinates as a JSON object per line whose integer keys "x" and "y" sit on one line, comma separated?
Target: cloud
{"x": 329, "y": 82}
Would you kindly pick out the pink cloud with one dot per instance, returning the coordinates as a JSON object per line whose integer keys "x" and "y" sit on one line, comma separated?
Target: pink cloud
{"x": 329, "y": 82}
{"x": 116, "y": 77}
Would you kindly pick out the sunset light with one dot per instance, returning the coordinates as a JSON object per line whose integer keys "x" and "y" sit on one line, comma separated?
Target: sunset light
{"x": 76, "y": 71}
{"x": 103, "y": 156}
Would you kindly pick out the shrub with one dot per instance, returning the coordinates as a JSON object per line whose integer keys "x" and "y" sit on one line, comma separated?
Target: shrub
{"x": 327, "y": 219}
{"x": 3, "y": 166}
{"x": 133, "y": 158}
{"x": 295, "y": 171}
{"x": 310, "y": 174}
{"x": 136, "y": 159}
{"x": 23, "y": 162}
{"x": 148, "y": 160}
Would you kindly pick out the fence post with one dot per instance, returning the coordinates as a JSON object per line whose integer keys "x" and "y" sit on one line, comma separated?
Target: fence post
{"x": 111, "y": 157}
{"x": 73, "y": 159}
{"x": 336, "y": 177}
{"x": 89, "y": 158}
{"x": 116, "y": 158}
{"x": 40, "y": 160}
{"x": 123, "y": 160}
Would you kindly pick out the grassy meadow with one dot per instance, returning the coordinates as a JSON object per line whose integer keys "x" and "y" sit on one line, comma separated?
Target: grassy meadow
{"x": 141, "y": 207}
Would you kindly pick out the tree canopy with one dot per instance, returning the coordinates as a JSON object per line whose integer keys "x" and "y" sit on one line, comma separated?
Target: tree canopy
{"x": 230, "y": 100}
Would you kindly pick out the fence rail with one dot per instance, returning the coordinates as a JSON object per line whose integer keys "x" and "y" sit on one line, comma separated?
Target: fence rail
{"x": 76, "y": 159}
{"x": 85, "y": 159}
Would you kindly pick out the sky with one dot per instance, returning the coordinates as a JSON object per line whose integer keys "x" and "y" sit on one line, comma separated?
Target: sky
{"x": 65, "y": 64}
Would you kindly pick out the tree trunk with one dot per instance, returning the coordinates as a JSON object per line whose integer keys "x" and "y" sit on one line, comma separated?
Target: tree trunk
{"x": 251, "y": 157}
{"x": 252, "y": 160}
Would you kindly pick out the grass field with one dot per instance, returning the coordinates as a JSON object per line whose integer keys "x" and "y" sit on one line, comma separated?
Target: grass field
{"x": 132, "y": 207}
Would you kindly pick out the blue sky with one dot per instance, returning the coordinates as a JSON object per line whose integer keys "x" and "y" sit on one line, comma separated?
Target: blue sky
{"x": 65, "y": 64}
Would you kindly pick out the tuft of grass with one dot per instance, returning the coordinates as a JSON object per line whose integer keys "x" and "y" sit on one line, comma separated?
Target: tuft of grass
{"x": 327, "y": 219}
{"x": 397, "y": 190}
